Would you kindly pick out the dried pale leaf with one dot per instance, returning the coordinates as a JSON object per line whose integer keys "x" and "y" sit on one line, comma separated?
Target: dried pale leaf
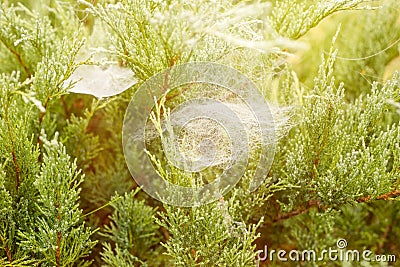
{"x": 101, "y": 81}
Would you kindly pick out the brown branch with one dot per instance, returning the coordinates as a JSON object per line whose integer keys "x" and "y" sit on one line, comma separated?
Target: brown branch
{"x": 310, "y": 204}
{"x": 392, "y": 194}
{"x": 19, "y": 58}
{"x": 7, "y": 249}
{"x": 384, "y": 237}
{"x": 165, "y": 233}
{"x": 167, "y": 98}
{"x": 364, "y": 199}
{"x": 58, "y": 254}
{"x": 386, "y": 196}
{"x": 315, "y": 203}
{"x": 66, "y": 109}
{"x": 276, "y": 205}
